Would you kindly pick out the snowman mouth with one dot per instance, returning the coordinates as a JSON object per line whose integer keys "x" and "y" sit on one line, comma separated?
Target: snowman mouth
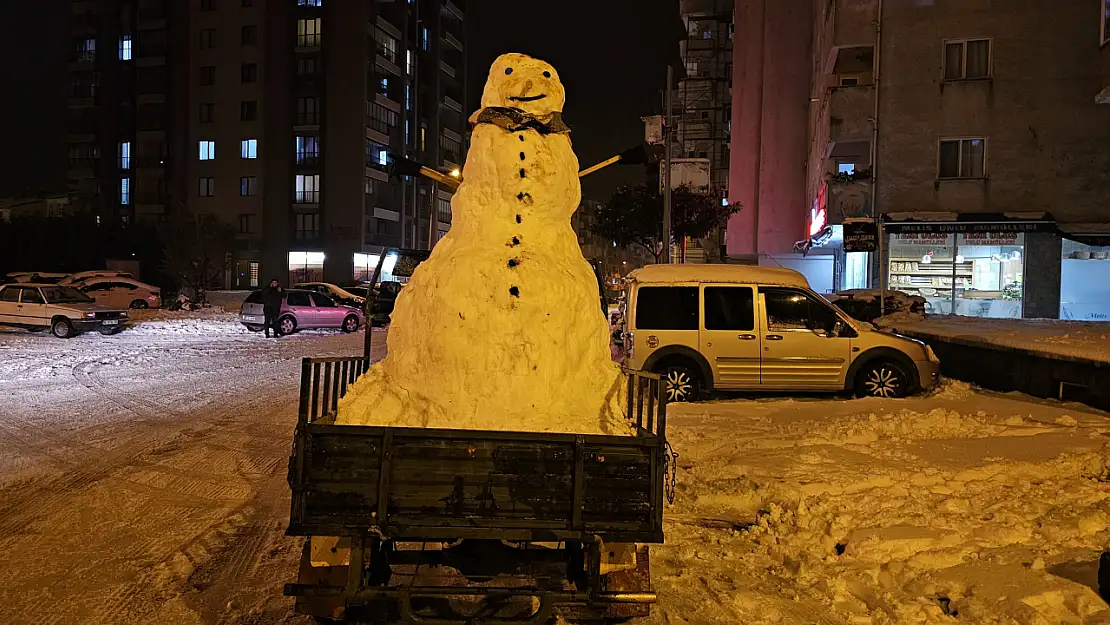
{"x": 527, "y": 98}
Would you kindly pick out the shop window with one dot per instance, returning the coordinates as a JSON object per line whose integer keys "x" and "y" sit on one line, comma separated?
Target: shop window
{"x": 1084, "y": 281}
{"x": 365, "y": 264}
{"x": 975, "y": 274}
{"x": 306, "y": 267}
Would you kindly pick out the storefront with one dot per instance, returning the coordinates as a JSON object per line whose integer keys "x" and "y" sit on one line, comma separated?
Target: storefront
{"x": 1085, "y": 275}
{"x": 970, "y": 268}
{"x": 306, "y": 267}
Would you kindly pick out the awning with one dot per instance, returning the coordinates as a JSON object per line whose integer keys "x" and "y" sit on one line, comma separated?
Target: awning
{"x": 1097, "y": 235}
{"x": 968, "y": 222}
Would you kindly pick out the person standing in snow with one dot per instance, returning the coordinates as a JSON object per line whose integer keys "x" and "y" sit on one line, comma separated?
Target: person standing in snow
{"x": 272, "y": 298}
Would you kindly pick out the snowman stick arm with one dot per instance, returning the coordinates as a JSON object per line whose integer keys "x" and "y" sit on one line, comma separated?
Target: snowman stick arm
{"x": 605, "y": 163}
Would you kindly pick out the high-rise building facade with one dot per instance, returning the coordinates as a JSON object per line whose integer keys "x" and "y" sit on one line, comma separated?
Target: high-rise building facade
{"x": 277, "y": 117}
{"x": 703, "y": 103}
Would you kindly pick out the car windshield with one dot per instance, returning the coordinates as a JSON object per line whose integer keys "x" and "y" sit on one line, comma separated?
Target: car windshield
{"x": 65, "y": 295}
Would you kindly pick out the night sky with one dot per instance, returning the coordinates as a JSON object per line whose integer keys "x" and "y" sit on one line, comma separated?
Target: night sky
{"x": 611, "y": 54}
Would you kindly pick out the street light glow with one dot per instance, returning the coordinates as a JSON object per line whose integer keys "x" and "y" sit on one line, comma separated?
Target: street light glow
{"x": 455, "y": 173}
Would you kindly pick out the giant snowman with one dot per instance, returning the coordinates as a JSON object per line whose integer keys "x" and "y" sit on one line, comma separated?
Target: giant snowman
{"x": 499, "y": 328}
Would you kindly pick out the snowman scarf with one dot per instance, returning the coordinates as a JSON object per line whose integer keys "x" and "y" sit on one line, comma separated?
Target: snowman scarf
{"x": 515, "y": 120}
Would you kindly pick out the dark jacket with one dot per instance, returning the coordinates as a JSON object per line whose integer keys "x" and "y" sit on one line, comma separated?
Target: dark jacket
{"x": 272, "y": 298}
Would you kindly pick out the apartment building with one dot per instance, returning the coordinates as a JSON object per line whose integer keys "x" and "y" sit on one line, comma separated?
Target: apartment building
{"x": 614, "y": 262}
{"x": 276, "y": 117}
{"x": 703, "y": 103}
{"x": 968, "y": 128}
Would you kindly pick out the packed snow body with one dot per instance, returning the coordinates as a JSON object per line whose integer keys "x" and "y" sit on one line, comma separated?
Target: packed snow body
{"x": 500, "y": 327}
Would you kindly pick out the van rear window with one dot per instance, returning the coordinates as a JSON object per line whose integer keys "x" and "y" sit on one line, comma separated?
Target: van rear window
{"x": 667, "y": 308}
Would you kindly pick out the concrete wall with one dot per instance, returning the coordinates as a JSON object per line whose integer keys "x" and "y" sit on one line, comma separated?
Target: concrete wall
{"x": 1048, "y": 143}
{"x": 771, "y": 89}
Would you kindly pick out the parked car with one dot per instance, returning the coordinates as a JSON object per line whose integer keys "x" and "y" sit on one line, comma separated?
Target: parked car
{"x": 339, "y": 294}
{"x": 865, "y": 304}
{"x": 121, "y": 292}
{"x": 81, "y": 276}
{"x": 300, "y": 310}
{"x": 744, "y": 328}
{"x": 64, "y": 310}
{"x": 37, "y": 277}
{"x": 382, "y": 307}
{"x": 361, "y": 290}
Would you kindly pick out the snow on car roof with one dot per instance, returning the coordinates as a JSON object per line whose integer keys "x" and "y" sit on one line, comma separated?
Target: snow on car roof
{"x": 743, "y": 274}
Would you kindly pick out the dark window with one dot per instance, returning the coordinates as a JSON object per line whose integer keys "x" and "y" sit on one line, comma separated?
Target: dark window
{"x": 248, "y": 110}
{"x": 308, "y": 226}
{"x": 299, "y": 299}
{"x": 308, "y": 111}
{"x": 323, "y": 301}
{"x": 246, "y": 223}
{"x": 308, "y": 150}
{"x": 969, "y": 58}
{"x": 9, "y": 294}
{"x": 207, "y": 5}
{"x": 962, "y": 158}
{"x": 788, "y": 309}
{"x": 207, "y": 38}
{"x": 248, "y": 185}
{"x": 381, "y": 118}
{"x": 207, "y": 112}
{"x": 306, "y": 65}
{"x": 255, "y": 297}
{"x": 207, "y": 187}
{"x": 386, "y": 45}
{"x": 207, "y": 75}
{"x": 248, "y": 4}
{"x": 729, "y": 308}
{"x": 248, "y": 73}
{"x": 667, "y": 308}
{"x": 249, "y": 35}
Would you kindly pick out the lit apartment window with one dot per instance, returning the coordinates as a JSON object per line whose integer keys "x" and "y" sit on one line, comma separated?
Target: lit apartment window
{"x": 369, "y": 185}
{"x": 125, "y": 191}
{"x": 423, "y": 132}
{"x": 248, "y": 73}
{"x": 308, "y": 150}
{"x": 424, "y": 38}
{"x": 246, "y": 225}
{"x": 207, "y": 150}
{"x": 207, "y": 38}
{"x": 249, "y": 35}
{"x": 125, "y": 155}
{"x": 248, "y": 186}
{"x": 248, "y": 148}
{"x": 207, "y": 112}
{"x": 308, "y": 32}
{"x": 845, "y": 168}
{"x": 308, "y": 3}
{"x": 308, "y": 189}
{"x": 408, "y": 97}
{"x": 207, "y": 187}
{"x": 967, "y": 59}
{"x": 386, "y": 45}
{"x": 962, "y": 158}
{"x": 308, "y": 226}
{"x": 408, "y": 61}
{"x": 248, "y": 110}
{"x": 86, "y": 50}
{"x": 377, "y": 155}
{"x": 125, "y": 48}
{"x": 308, "y": 111}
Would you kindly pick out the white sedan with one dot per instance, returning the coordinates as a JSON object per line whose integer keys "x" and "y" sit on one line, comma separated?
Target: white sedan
{"x": 121, "y": 292}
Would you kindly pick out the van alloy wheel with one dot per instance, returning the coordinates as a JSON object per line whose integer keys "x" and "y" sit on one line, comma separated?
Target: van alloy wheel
{"x": 680, "y": 385}
{"x": 884, "y": 381}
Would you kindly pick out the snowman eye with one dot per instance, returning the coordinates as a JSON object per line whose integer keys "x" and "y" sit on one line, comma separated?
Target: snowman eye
{"x": 508, "y": 70}
{"x": 547, "y": 74}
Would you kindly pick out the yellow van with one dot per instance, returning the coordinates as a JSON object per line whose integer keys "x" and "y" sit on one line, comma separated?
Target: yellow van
{"x": 747, "y": 328}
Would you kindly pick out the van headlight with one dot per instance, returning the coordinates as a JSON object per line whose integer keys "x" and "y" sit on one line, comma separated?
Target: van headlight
{"x": 932, "y": 355}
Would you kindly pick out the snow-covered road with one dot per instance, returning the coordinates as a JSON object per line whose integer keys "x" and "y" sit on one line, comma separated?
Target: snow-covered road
{"x": 142, "y": 477}
{"x": 142, "y": 480}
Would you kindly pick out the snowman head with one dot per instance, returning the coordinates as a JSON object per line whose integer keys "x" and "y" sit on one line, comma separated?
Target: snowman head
{"x": 522, "y": 82}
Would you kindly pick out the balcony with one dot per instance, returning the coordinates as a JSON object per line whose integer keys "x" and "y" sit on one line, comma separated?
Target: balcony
{"x": 453, "y": 9}
{"x": 852, "y": 23}
{"x": 452, "y": 40}
{"x": 447, "y": 69}
{"x": 850, "y": 111}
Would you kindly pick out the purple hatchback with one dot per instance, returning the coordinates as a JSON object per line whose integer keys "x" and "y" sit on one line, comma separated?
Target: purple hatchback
{"x": 301, "y": 310}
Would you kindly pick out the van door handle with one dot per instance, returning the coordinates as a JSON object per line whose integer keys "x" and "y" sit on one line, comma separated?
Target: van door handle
{"x": 774, "y": 337}
{"x": 746, "y": 337}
